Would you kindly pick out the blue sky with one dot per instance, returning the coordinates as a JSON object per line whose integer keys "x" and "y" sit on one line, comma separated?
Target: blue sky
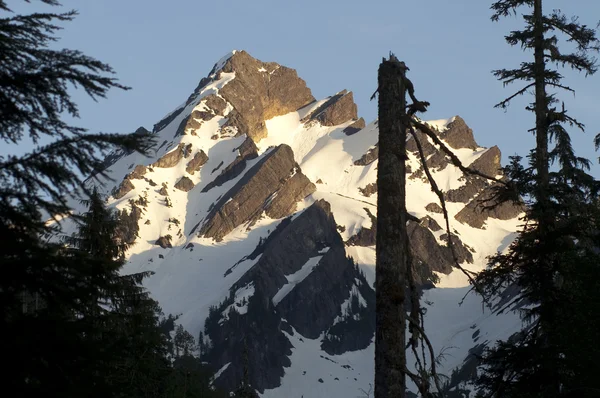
{"x": 162, "y": 49}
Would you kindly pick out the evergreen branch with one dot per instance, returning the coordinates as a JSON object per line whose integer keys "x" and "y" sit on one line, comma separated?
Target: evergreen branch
{"x": 504, "y": 104}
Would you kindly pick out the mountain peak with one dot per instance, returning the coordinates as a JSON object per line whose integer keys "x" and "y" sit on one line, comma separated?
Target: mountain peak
{"x": 268, "y": 198}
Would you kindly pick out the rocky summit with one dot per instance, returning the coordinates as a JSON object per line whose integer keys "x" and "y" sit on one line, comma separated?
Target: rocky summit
{"x": 257, "y": 214}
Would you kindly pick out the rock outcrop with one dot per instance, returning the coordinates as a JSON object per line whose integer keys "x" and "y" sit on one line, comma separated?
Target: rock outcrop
{"x": 274, "y": 185}
{"x": 369, "y": 157}
{"x": 369, "y": 189}
{"x": 338, "y": 109}
{"x": 247, "y": 151}
{"x": 481, "y": 208}
{"x": 164, "y": 242}
{"x": 184, "y": 184}
{"x": 173, "y": 157}
{"x": 210, "y": 106}
{"x": 126, "y": 185}
{"x": 311, "y": 305}
{"x": 123, "y": 189}
{"x": 261, "y": 91}
{"x": 429, "y": 255}
{"x": 194, "y": 165}
{"x": 489, "y": 162}
{"x": 355, "y": 127}
{"x": 459, "y": 135}
{"x": 434, "y": 208}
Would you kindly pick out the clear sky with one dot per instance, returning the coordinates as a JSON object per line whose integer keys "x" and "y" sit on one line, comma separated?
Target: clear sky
{"x": 163, "y": 48}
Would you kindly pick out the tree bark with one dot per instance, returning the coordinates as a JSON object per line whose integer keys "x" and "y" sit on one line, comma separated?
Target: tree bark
{"x": 391, "y": 251}
{"x": 541, "y": 120}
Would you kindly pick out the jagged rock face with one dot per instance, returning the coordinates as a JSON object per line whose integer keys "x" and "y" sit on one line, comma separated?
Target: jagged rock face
{"x": 355, "y": 127}
{"x": 258, "y": 95}
{"x": 126, "y": 185}
{"x": 336, "y": 110}
{"x": 459, "y": 135}
{"x": 478, "y": 210}
{"x": 164, "y": 242}
{"x": 369, "y": 157}
{"x": 124, "y": 188}
{"x": 247, "y": 151}
{"x": 488, "y": 163}
{"x": 427, "y": 252}
{"x": 297, "y": 291}
{"x": 184, "y": 184}
{"x": 213, "y": 106}
{"x": 311, "y": 306}
{"x": 430, "y": 223}
{"x": 465, "y": 193}
{"x": 434, "y": 208}
{"x": 369, "y": 190}
{"x": 194, "y": 165}
{"x": 276, "y": 177}
{"x": 173, "y": 157}
{"x": 138, "y": 172}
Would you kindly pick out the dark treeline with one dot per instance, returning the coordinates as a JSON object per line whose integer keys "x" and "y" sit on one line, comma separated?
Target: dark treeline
{"x": 72, "y": 324}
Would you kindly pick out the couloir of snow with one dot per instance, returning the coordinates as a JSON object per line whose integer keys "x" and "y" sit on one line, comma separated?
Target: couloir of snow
{"x": 189, "y": 279}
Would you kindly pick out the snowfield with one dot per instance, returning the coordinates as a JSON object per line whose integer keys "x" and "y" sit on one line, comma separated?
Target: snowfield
{"x": 197, "y": 273}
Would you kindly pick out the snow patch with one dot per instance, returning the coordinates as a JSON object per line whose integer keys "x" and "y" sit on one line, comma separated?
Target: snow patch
{"x": 296, "y": 278}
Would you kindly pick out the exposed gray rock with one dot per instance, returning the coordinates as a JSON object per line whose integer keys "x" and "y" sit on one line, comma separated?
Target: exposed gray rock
{"x": 430, "y": 223}
{"x": 463, "y": 252}
{"x": 429, "y": 254}
{"x": 258, "y": 96}
{"x": 428, "y": 148}
{"x": 489, "y": 162}
{"x": 465, "y": 193}
{"x": 369, "y": 190}
{"x": 163, "y": 191}
{"x": 478, "y": 210}
{"x": 369, "y": 157}
{"x": 247, "y": 151}
{"x": 434, "y": 208}
{"x": 194, "y": 165}
{"x": 215, "y": 104}
{"x": 138, "y": 172}
{"x": 123, "y": 189}
{"x": 311, "y": 307}
{"x": 366, "y": 236}
{"x": 173, "y": 157}
{"x": 355, "y": 127}
{"x": 438, "y": 161}
{"x": 184, "y": 184}
{"x": 336, "y": 110}
{"x": 459, "y": 135}
{"x": 273, "y": 184}
{"x": 164, "y": 242}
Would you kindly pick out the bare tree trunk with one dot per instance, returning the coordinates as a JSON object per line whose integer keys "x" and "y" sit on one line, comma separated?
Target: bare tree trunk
{"x": 391, "y": 264}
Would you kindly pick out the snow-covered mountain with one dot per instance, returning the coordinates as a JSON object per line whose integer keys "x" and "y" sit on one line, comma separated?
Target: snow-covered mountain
{"x": 257, "y": 214}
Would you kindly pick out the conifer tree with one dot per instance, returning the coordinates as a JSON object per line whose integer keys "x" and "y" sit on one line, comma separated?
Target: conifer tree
{"x": 556, "y": 255}
{"x": 48, "y": 343}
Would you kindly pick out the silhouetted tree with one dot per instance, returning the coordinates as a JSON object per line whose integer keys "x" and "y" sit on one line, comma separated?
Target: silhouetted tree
{"x": 556, "y": 255}
{"x": 47, "y": 342}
